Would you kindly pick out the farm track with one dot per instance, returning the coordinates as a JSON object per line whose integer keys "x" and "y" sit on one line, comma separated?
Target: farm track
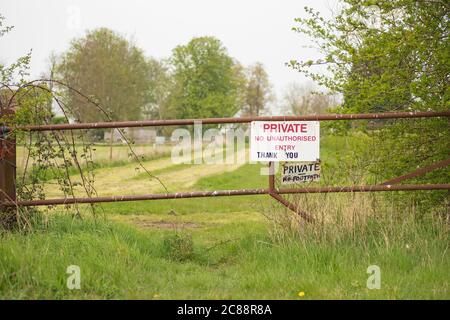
{"x": 121, "y": 180}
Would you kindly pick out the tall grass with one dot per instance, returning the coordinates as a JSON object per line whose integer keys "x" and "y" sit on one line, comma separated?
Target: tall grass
{"x": 237, "y": 247}
{"x": 358, "y": 217}
{"x": 121, "y": 157}
{"x": 237, "y": 258}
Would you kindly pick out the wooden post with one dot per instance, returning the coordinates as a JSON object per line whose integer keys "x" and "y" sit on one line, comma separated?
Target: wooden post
{"x": 7, "y": 163}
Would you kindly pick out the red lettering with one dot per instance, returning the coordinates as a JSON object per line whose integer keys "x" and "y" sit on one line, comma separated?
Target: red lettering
{"x": 285, "y": 127}
{"x": 303, "y": 127}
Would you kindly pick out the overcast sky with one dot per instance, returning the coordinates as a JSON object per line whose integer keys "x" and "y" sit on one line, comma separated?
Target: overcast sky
{"x": 251, "y": 30}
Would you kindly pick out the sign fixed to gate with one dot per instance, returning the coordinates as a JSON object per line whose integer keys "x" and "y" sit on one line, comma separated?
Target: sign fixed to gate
{"x": 285, "y": 141}
{"x": 298, "y": 172}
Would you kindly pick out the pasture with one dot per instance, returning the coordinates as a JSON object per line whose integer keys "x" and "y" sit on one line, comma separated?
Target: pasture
{"x": 230, "y": 247}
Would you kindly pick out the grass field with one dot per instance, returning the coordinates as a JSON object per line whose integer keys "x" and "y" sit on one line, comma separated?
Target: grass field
{"x": 229, "y": 247}
{"x": 101, "y": 155}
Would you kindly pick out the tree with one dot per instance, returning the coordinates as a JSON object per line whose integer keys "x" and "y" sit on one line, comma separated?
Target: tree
{"x": 206, "y": 80}
{"x": 388, "y": 56}
{"x": 301, "y": 99}
{"x": 109, "y": 68}
{"x": 383, "y": 55}
{"x": 258, "y": 90}
{"x": 50, "y": 75}
{"x": 160, "y": 87}
{"x": 106, "y": 66}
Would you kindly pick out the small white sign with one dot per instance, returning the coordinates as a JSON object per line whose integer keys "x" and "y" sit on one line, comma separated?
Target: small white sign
{"x": 299, "y": 172}
{"x": 285, "y": 141}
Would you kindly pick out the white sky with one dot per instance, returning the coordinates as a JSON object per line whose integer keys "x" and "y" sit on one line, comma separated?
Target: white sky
{"x": 251, "y": 30}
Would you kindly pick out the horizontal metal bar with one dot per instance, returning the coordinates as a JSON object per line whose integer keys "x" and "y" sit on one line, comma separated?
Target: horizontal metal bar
{"x": 373, "y": 188}
{"x": 219, "y": 193}
{"x": 179, "y": 122}
{"x": 163, "y": 196}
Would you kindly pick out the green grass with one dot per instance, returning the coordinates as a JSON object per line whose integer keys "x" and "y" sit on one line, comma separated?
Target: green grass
{"x": 247, "y": 176}
{"x": 100, "y": 157}
{"x": 171, "y": 169}
{"x": 232, "y": 260}
{"x": 227, "y": 248}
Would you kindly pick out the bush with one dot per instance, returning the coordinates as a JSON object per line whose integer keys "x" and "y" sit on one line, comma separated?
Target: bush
{"x": 59, "y": 120}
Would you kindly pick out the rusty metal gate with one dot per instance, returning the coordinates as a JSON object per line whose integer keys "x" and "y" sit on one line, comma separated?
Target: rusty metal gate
{"x": 8, "y": 163}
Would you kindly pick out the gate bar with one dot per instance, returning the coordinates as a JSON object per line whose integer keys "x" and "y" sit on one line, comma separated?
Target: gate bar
{"x": 419, "y": 172}
{"x": 373, "y": 188}
{"x": 221, "y": 193}
{"x": 273, "y": 192}
{"x": 177, "y": 122}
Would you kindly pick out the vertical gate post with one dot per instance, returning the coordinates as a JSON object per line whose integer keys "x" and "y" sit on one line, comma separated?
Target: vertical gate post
{"x": 7, "y": 163}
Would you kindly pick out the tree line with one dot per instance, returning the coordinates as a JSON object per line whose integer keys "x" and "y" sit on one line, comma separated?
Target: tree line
{"x": 199, "y": 80}
{"x": 385, "y": 56}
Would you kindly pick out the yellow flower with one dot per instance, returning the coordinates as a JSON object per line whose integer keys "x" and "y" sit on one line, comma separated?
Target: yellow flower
{"x": 301, "y": 294}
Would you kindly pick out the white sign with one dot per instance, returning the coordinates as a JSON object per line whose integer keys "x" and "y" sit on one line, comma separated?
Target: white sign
{"x": 300, "y": 172}
{"x": 285, "y": 141}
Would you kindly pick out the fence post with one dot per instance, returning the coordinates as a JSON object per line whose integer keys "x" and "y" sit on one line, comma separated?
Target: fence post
{"x": 7, "y": 163}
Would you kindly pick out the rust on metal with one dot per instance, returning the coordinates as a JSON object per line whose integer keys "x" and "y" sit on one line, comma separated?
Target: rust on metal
{"x": 221, "y": 193}
{"x": 273, "y": 192}
{"x": 161, "y": 196}
{"x": 271, "y": 177}
{"x": 370, "y": 188}
{"x": 182, "y": 122}
{"x": 419, "y": 172}
{"x": 7, "y": 163}
{"x": 389, "y": 185}
{"x": 291, "y": 206}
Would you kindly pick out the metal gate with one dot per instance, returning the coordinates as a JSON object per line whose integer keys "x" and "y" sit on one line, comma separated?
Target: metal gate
{"x": 8, "y": 163}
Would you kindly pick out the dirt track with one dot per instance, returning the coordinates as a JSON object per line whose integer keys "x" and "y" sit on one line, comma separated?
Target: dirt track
{"x": 122, "y": 180}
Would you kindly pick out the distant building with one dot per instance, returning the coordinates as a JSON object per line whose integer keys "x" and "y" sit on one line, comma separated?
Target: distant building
{"x": 138, "y": 135}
